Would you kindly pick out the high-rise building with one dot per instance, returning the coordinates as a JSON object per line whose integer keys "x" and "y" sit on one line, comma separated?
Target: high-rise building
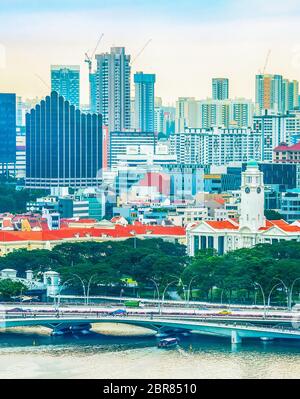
{"x": 144, "y": 101}
{"x": 220, "y": 89}
{"x": 113, "y": 88}
{"x": 290, "y": 95}
{"x": 241, "y": 112}
{"x": 63, "y": 145}
{"x": 120, "y": 141}
{"x": 65, "y": 80}
{"x": 7, "y": 130}
{"x": 214, "y": 113}
{"x": 93, "y": 92}
{"x": 158, "y": 120}
{"x": 132, "y": 114}
{"x": 276, "y": 129}
{"x": 269, "y": 93}
{"x": 187, "y": 114}
{"x": 24, "y": 106}
{"x": 216, "y": 146}
{"x": 226, "y": 113}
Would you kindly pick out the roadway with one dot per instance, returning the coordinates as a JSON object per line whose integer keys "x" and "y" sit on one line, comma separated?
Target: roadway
{"x": 254, "y": 316}
{"x": 159, "y": 323}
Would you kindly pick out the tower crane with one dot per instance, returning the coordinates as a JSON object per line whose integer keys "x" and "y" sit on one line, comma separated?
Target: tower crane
{"x": 43, "y": 81}
{"x": 89, "y": 58}
{"x": 266, "y": 62}
{"x": 140, "y": 52}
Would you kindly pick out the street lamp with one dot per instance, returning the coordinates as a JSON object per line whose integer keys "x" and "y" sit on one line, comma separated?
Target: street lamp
{"x": 291, "y": 292}
{"x": 189, "y": 288}
{"x": 269, "y": 296}
{"x": 286, "y": 290}
{"x": 263, "y": 295}
{"x": 224, "y": 289}
{"x": 165, "y": 290}
{"x": 183, "y": 286}
{"x": 59, "y": 291}
{"x": 88, "y": 288}
{"x": 21, "y": 292}
{"x": 83, "y": 286}
{"x": 157, "y": 290}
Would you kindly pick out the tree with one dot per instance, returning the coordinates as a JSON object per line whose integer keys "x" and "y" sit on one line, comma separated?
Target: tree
{"x": 10, "y": 288}
{"x": 270, "y": 214}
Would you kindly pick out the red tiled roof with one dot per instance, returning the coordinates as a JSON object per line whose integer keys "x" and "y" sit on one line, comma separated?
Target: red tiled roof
{"x": 7, "y": 224}
{"x": 232, "y": 225}
{"x": 283, "y": 225}
{"x": 67, "y": 233}
{"x": 219, "y": 200}
{"x": 116, "y": 219}
{"x": 285, "y": 147}
{"x": 222, "y": 225}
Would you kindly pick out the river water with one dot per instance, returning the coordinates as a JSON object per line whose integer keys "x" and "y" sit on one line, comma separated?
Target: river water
{"x": 132, "y": 353}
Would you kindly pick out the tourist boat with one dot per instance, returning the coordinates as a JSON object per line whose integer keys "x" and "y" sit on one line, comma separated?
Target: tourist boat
{"x": 168, "y": 342}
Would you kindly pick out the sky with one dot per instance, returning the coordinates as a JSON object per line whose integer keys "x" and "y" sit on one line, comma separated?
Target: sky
{"x": 192, "y": 41}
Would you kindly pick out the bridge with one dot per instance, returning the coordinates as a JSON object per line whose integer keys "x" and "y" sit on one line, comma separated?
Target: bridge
{"x": 62, "y": 323}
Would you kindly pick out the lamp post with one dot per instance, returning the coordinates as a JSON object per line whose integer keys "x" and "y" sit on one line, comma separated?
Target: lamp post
{"x": 286, "y": 290}
{"x": 222, "y": 295}
{"x": 189, "y": 289}
{"x": 165, "y": 290}
{"x": 263, "y": 295}
{"x": 157, "y": 290}
{"x": 59, "y": 291}
{"x": 291, "y": 292}
{"x": 83, "y": 286}
{"x": 21, "y": 292}
{"x": 181, "y": 282}
{"x": 88, "y": 288}
{"x": 269, "y": 296}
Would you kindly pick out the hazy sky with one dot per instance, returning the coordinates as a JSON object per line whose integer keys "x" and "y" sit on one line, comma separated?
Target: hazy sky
{"x": 192, "y": 41}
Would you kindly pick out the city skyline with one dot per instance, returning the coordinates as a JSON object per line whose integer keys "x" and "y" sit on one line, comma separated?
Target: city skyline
{"x": 187, "y": 44}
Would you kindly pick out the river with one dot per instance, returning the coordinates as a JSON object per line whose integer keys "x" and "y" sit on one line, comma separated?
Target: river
{"x": 117, "y": 351}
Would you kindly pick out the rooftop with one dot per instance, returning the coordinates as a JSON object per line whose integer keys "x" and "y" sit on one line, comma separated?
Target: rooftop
{"x": 285, "y": 147}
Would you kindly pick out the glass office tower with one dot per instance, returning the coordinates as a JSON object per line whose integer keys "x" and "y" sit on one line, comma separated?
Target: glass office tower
{"x": 63, "y": 145}
{"x": 7, "y": 129}
{"x": 144, "y": 101}
{"x": 65, "y": 79}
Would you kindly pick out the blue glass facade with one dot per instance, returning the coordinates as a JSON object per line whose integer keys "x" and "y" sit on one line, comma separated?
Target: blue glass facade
{"x": 144, "y": 101}
{"x": 7, "y": 128}
{"x": 281, "y": 174}
{"x": 64, "y": 146}
{"x": 65, "y": 79}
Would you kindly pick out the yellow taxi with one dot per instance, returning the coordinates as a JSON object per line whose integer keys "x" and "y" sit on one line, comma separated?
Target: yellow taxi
{"x": 224, "y": 313}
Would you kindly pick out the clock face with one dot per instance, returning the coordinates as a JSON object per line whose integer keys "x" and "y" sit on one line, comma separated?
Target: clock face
{"x": 258, "y": 190}
{"x": 247, "y": 190}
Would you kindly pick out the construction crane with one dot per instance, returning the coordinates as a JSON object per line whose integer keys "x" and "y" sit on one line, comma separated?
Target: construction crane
{"x": 89, "y": 58}
{"x": 140, "y": 52}
{"x": 42, "y": 80}
{"x": 266, "y": 63}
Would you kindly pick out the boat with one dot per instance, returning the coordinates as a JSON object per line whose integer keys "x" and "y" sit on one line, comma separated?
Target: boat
{"x": 266, "y": 339}
{"x": 168, "y": 342}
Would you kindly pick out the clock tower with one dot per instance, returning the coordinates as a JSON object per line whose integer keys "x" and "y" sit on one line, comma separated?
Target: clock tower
{"x": 252, "y": 198}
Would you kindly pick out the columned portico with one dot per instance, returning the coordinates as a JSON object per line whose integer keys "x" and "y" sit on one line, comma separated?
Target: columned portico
{"x": 252, "y": 227}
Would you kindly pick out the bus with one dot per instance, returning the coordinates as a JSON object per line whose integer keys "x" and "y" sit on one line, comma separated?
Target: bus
{"x": 132, "y": 304}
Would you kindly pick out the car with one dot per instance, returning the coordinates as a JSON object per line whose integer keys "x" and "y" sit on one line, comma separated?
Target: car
{"x": 119, "y": 312}
{"x": 224, "y": 313}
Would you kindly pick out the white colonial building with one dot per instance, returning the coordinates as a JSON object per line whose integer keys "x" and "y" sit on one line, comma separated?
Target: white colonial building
{"x": 252, "y": 227}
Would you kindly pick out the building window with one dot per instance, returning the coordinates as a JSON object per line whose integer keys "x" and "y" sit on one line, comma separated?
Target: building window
{"x": 221, "y": 245}
{"x": 203, "y": 242}
{"x": 196, "y": 244}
